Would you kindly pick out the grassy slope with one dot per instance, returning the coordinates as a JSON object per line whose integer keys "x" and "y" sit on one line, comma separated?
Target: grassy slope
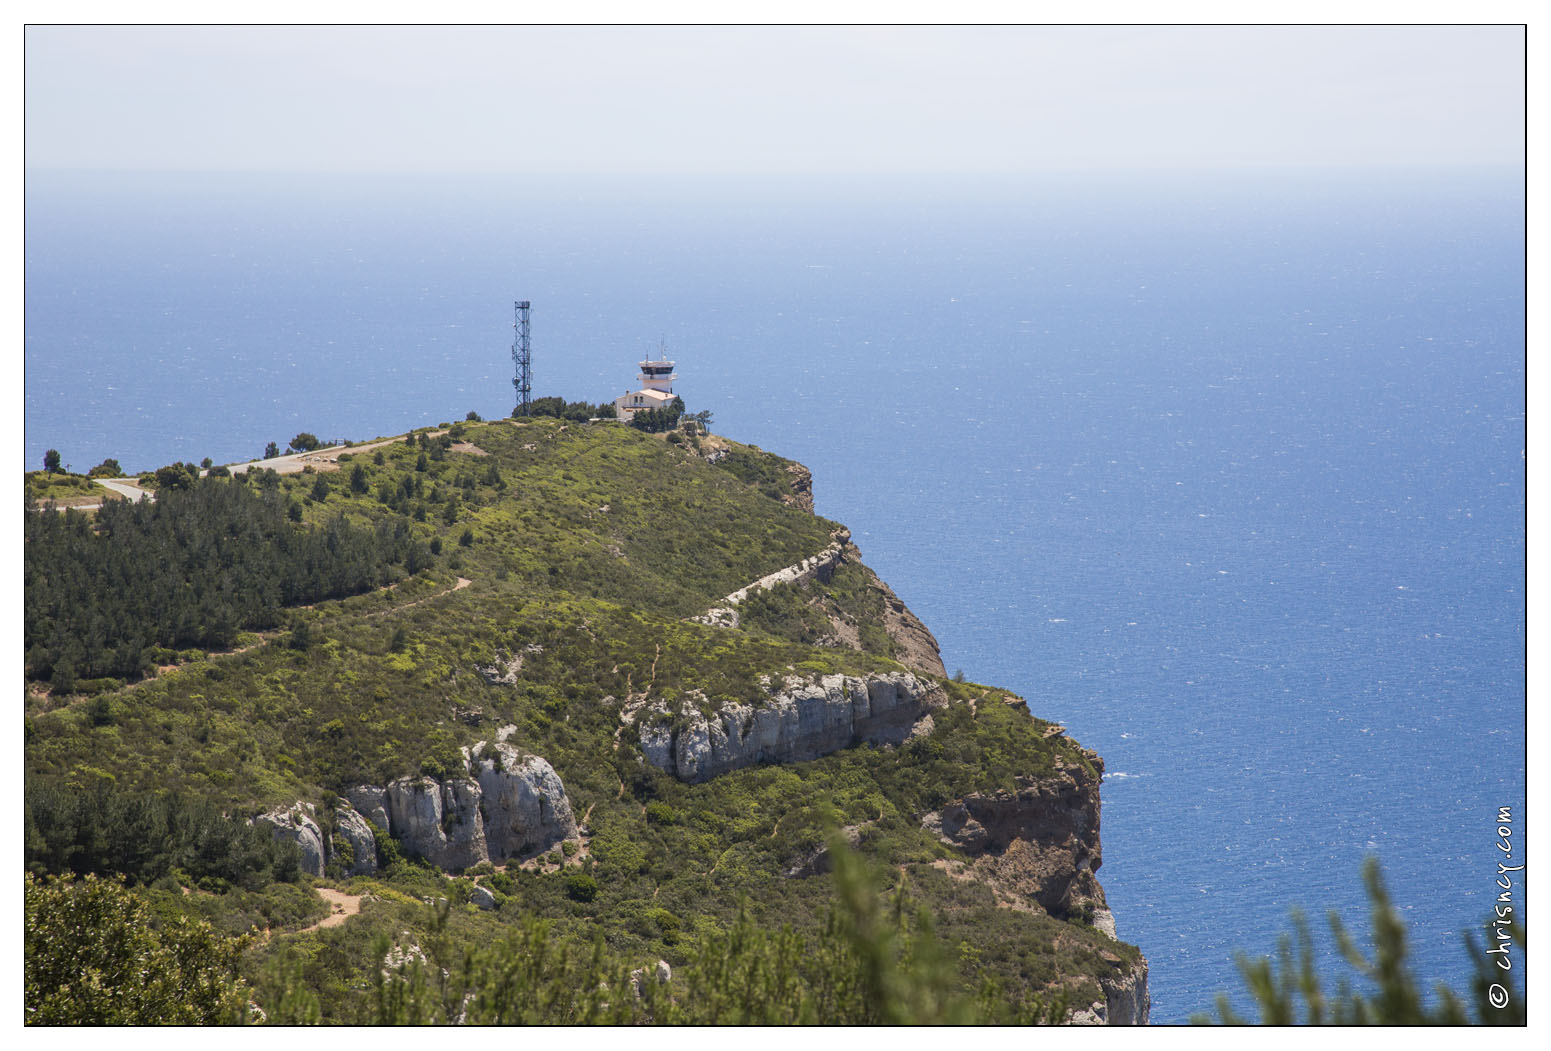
{"x": 587, "y": 553}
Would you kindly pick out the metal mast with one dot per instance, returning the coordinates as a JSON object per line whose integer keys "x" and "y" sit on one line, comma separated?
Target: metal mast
{"x": 522, "y": 354}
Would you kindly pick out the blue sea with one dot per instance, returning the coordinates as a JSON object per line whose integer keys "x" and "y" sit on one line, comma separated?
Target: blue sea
{"x": 1223, "y": 471}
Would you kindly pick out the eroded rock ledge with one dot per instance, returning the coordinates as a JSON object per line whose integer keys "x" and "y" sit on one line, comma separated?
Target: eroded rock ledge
{"x": 506, "y": 806}
{"x": 1038, "y": 845}
{"x": 1127, "y": 1000}
{"x": 725, "y": 613}
{"x": 800, "y": 722}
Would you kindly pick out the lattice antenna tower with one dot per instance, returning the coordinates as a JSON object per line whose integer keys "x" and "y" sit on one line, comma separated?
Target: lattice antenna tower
{"x": 522, "y": 355}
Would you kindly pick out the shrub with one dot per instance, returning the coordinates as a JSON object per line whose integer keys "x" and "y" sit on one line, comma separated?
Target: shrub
{"x": 100, "y": 711}
{"x": 667, "y": 924}
{"x": 94, "y": 957}
{"x": 580, "y": 887}
{"x": 1393, "y": 996}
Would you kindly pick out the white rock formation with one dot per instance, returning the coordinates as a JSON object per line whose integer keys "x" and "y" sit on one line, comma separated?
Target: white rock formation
{"x": 800, "y": 722}
{"x": 372, "y": 802}
{"x": 509, "y": 806}
{"x": 296, "y": 822}
{"x": 526, "y": 811}
{"x": 352, "y": 828}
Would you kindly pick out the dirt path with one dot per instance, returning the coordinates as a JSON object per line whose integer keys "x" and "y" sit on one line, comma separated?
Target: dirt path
{"x": 462, "y": 583}
{"x": 342, "y": 906}
{"x": 326, "y": 458}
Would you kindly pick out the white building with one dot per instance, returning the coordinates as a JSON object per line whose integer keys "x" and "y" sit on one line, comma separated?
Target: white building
{"x": 656, "y": 389}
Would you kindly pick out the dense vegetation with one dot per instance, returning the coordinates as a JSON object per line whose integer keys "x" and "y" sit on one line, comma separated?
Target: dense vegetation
{"x": 193, "y": 568}
{"x": 95, "y": 956}
{"x": 576, "y": 411}
{"x": 104, "y": 830}
{"x": 550, "y": 570}
{"x": 875, "y": 961}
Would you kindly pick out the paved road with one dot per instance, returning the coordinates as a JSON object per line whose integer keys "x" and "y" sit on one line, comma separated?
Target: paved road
{"x": 125, "y": 487}
{"x": 292, "y": 463}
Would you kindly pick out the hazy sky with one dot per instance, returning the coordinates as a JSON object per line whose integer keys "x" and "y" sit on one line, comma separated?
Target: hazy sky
{"x": 770, "y": 99}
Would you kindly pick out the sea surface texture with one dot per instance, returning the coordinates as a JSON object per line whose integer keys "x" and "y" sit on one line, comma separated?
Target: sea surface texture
{"x": 1225, "y": 473}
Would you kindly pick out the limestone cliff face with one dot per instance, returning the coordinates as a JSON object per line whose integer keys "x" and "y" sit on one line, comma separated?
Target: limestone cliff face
{"x": 802, "y": 488}
{"x": 440, "y": 822}
{"x": 800, "y": 722}
{"x": 1127, "y": 1000}
{"x": 508, "y": 805}
{"x": 1039, "y": 847}
{"x": 350, "y": 828}
{"x": 526, "y": 811}
{"x": 298, "y": 823}
{"x": 915, "y": 645}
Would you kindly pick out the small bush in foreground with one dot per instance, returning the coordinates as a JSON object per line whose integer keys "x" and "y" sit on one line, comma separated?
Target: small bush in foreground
{"x": 93, "y": 958}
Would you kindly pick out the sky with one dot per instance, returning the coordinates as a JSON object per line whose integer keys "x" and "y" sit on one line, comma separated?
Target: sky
{"x": 771, "y": 99}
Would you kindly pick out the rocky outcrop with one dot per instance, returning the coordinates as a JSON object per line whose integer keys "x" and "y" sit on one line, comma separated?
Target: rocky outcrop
{"x": 1038, "y": 845}
{"x": 798, "y": 723}
{"x": 351, "y": 829}
{"x": 504, "y": 670}
{"x": 298, "y": 823}
{"x": 439, "y": 822}
{"x": 801, "y": 495}
{"x": 525, "y": 808}
{"x": 351, "y": 842}
{"x": 372, "y": 803}
{"x": 1127, "y": 1000}
{"x": 725, "y": 613}
{"x": 914, "y": 644}
{"x": 508, "y": 806}
{"x": 818, "y": 862}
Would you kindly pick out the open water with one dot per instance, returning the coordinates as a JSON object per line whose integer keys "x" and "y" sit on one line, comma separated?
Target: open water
{"x": 1224, "y": 472}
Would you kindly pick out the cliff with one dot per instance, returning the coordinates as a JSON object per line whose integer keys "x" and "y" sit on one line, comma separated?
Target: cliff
{"x": 1038, "y": 843}
{"x": 794, "y": 724}
{"x": 507, "y": 807}
{"x": 1038, "y": 846}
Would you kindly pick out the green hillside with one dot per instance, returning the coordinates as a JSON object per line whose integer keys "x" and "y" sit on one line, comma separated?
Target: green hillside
{"x": 534, "y": 577}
